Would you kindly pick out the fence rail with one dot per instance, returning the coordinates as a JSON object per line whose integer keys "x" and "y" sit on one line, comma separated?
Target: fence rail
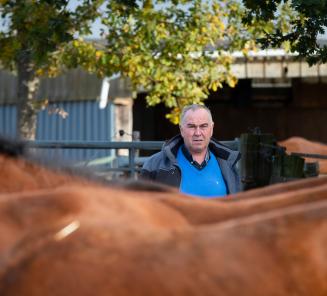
{"x": 133, "y": 163}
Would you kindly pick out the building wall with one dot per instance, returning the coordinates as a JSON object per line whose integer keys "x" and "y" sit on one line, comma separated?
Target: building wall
{"x": 76, "y": 92}
{"x": 298, "y": 108}
{"x": 85, "y": 122}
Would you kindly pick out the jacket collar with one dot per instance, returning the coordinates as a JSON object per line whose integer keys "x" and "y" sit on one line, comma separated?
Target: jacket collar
{"x": 171, "y": 147}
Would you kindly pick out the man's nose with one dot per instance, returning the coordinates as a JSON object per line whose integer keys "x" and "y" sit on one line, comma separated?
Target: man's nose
{"x": 197, "y": 130}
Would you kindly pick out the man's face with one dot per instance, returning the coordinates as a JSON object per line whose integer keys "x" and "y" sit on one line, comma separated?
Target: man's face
{"x": 196, "y": 130}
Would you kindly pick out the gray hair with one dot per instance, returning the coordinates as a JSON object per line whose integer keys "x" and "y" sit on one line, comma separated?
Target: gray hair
{"x": 194, "y": 107}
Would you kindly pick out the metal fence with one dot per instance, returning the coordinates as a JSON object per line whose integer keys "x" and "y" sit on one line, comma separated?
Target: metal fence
{"x": 129, "y": 165}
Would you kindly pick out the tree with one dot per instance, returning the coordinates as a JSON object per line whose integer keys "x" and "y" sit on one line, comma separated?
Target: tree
{"x": 174, "y": 50}
{"x": 308, "y": 19}
{"x": 178, "y": 50}
{"x": 33, "y": 44}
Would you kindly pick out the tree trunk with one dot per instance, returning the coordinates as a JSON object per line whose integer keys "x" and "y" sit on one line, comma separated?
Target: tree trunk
{"x": 28, "y": 85}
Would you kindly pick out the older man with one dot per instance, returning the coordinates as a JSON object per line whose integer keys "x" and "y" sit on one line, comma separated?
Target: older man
{"x": 193, "y": 161}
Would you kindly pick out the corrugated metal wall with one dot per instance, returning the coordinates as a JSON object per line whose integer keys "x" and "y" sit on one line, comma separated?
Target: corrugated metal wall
{"x": 75, "y": 92}
{"x": 85, "y": 122}
{"x": 8, "y": 120}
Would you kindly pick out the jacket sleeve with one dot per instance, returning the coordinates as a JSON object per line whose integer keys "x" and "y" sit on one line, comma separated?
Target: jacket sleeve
{"x": 146, "y": 172}
{"x": 238, "y": 186}
{"x": 146, "y": 175}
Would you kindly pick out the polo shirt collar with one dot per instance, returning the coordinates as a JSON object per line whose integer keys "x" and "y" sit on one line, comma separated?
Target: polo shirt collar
{"x": 189, "y": 157}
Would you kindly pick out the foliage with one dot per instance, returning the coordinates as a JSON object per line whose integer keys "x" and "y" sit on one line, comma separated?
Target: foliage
{"x": 308, "y": 19}
{"x": 42, "y": 28}
{"x": 32, "y": 42}
{"x": 176, "y": 51}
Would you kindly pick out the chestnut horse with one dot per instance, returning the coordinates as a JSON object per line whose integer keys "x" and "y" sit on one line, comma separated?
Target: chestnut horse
{"x": 301, "y": 145}
{"x": 65, "y": 235}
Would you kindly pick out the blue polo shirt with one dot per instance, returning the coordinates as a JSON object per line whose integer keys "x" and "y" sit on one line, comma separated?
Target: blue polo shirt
{"x": 203, "y": 180}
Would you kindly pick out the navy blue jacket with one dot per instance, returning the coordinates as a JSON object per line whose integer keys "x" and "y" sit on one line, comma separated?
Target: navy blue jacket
{"x": 163, "y": 167}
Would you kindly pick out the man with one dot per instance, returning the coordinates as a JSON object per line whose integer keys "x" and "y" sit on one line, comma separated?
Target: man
{"x": 193, "y": 161}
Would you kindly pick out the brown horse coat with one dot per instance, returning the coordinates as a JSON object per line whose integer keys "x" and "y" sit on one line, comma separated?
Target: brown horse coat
{"x": 66, "y": 243}
{"x": 67, "y": 236}
{"x": 301, "y": 145}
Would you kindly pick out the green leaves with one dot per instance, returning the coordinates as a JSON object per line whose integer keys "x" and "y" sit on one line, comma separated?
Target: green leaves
{"x": 176, "y": 50}
{"x": 43, "y": 28}
{"x": 299, "y": 22}
{"x": 165, "y": 48}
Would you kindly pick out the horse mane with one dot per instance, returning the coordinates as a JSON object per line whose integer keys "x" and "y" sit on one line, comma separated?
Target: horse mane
{"x": 19, "y": 153}
{"x": 18, "y": 149}
{"x": 12, "y": 147}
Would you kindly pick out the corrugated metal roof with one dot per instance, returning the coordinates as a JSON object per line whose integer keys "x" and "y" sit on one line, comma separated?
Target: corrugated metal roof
{"x": 274, "y": 63}
{"x": 71, "y": 86}
{"x": 75, "y": 85}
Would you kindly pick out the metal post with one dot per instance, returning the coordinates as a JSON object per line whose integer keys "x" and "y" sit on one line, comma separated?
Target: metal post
{"x": 131, "y": 156}
{"x": 136, "y": 136}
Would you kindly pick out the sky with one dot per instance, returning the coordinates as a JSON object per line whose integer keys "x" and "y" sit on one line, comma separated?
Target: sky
{"x": 96, "y": 26}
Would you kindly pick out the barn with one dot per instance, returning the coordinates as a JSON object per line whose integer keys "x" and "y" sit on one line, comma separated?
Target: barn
{"x": 73, "y": 112}
{"x": 276, "y": 92}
